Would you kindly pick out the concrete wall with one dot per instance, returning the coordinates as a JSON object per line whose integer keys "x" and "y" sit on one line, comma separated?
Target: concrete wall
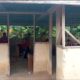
{"x": 68, "y": 63}
{"x": 42, "y": 60}
{"x": 4, "y": 59}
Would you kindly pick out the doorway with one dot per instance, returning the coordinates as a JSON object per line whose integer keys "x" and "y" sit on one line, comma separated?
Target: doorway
{"x": 21, "y": 47}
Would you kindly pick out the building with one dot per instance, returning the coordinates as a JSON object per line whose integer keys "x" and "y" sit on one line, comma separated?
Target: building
{"x": 45, "y": 13}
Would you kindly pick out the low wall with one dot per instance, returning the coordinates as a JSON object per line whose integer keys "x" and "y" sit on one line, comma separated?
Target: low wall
{"x": 4, "y": 59}
{"x": 59, "y": 63}
{"x": 42, "y": 60}
{"x": 68, "y": 63}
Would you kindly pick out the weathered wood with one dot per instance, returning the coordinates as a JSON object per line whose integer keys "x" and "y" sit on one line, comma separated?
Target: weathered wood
{"x": 50, "y": 38}
{"x": 8, "y": 44}
{"x": 50, "y": 11}
{"x": 50, "y": 32}
{"x": 63, "y": 25}
{"x": 72, "y": 36}
{"x": 58, "y": 26}
{"x": 34, "y": 25}
{"x": 22, "y": 12}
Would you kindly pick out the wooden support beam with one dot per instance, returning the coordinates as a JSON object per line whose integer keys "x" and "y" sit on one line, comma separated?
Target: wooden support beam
{"x": 22, "y": 13}
{"x": 50, "y": 11}
{"x": 7, "y": 24}
{"x": 8, "y": 43}
{"x": 34, "y": 25}
{"x": 58, "y": 26}
{"x": 50, "y": 29}
{"x": 63, "y": 25}
{"x": 50, "y": 37}
{"x": 72, "y": 36}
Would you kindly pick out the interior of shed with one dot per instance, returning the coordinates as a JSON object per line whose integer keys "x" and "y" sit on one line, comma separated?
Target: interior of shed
{"x": 22, "y": 20}
{"x": 21, "y": 16}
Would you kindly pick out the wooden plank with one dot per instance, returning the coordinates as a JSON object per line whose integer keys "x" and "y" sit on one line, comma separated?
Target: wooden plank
{"x": 50, "y": 37}
{"x": 7, "y": 24}
{"x": 63, "y": 25}
{"x": 8, "y": 43}
{"x": 50, "y": 31}
{"x": 50, "y": 11}
{"x": 34, "y": 25}
{"x": 22, "y": 12}
{"x": 72, "y": 36}
{"x": 58, "y": 26}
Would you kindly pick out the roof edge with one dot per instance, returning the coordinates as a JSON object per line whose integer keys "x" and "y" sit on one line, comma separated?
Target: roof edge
{"x": 43, "y": 2}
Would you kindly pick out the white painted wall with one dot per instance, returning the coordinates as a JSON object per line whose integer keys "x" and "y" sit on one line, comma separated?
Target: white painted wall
{"x": 42, "y": 60}
{"x": 59, "y": 63}
{"x": 68, "y": 63}
{"x": 4, "y": 59}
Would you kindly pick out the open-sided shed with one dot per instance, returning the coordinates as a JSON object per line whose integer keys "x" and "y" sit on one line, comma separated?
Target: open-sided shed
{"x": 45, "y": 13}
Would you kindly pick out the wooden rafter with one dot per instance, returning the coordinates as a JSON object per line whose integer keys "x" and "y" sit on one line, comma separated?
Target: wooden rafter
{"x": 22, "y": 13}
{"x": 50, "y": 11}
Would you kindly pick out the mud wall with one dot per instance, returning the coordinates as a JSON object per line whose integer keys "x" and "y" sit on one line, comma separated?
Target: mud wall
{"x": 4, "y": 59}
{"x": 42, "y": 60}
{"x": 68, "y": 63}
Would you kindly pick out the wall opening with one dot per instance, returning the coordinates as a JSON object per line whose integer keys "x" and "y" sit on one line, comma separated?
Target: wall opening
{"x": 21, "y": 49}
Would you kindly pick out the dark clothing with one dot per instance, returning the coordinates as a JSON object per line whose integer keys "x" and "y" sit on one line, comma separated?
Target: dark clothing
{"x": 27, "y": 51}
{"x": 4, "y": 39}
{"x": 24, "y": 48}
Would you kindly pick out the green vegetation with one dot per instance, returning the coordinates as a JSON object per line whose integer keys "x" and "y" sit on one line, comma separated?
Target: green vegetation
{"x": 75, "y": 31}
{"x": 3, "y": 29}
{"x": 21, "y": 31}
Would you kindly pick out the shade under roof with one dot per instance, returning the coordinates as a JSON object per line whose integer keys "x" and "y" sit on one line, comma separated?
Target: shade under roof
{"x": 21, "y": 19}
{"x": 72, "y": 14}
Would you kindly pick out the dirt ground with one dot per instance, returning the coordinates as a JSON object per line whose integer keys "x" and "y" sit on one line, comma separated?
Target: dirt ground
{"x": 21, "y": 73}
{"x": 38, "y": 76}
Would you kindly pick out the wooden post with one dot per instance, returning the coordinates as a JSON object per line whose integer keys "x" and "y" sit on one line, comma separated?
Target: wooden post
{"x": 34, "y": 26}
{"x": 60, "y": 40}
{"x": 63, "y": 26}
{"x": 50, "y": 38}
{"x": 8, "y": 41}
{"x": 58, "y": 27}
{"x": 8, "y": 25}
{"x": 50, "y": 32}
{"x": 30, "y": 57}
